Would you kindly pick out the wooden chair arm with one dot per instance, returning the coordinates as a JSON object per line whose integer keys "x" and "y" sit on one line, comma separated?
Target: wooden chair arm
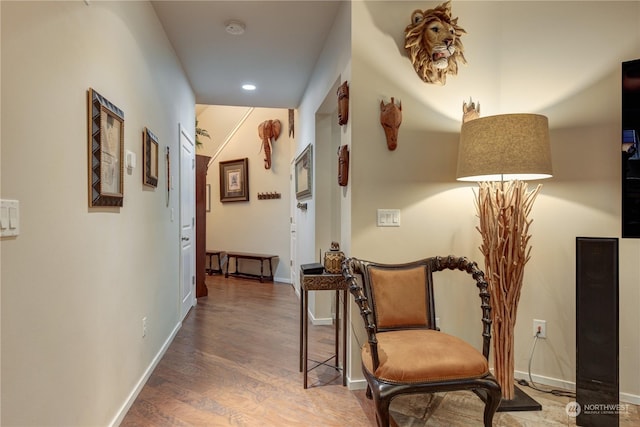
{"x": 461, "y": 263}
{"x": 350, "y": 268}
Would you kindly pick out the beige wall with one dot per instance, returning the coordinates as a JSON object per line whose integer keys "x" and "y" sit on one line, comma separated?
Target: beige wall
{"x": 77, "y": 282}
{"x": 580, "y": 96}
{"x": 259, "y": 226}
{"x": 320, "y": 223}
{"x": 332, "y": 68}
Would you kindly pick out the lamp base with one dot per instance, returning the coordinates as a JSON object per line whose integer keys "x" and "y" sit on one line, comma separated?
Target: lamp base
{"x": 521, "y": 402}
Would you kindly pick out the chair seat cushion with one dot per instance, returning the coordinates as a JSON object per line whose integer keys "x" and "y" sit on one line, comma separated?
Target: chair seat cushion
{"x": 424, "y": 355}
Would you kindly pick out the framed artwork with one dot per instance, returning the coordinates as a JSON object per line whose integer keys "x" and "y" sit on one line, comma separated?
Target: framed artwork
{"x": 150, "y": 155}
{"x": 106, "y": 152}
{"x": 234, "y": 180}
{"x": 304, "y": 174}
{"x": 168, "y": 164}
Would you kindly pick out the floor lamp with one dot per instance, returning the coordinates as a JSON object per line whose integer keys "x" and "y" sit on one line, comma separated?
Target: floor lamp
{"x": 500, "y": 153}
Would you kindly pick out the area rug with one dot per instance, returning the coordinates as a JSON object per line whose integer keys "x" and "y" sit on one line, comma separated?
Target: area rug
{"x": 452, "y": 409}
{"x": 414, "y": 410}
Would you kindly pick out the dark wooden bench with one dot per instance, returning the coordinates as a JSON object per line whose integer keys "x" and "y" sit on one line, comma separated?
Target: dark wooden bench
{"x": 210, "y": 253}
{"x": 251, "y": 256}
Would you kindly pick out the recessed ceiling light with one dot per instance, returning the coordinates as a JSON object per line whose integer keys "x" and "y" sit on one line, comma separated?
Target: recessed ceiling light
{"x": 234, "y": 27}
{"x": 249, "y": 86}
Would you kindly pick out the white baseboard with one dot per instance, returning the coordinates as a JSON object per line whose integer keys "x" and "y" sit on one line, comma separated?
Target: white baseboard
{"x": 321, "y": 320}
{"x": 356, "y": 384}
{"x": 568, "y": 385}
{"x": 547, "y": 381}
{"x": 282, "y": 280}
{"x": 143, "y": 380}
{"x": 317, "y": 320}
{"x": 630, "y": 398}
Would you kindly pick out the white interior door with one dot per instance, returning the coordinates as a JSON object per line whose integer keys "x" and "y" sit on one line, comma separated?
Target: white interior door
{"x": 187, "y": 223}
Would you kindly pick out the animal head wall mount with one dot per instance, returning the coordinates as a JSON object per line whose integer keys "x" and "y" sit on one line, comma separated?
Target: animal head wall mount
{"x": 343, "y": 104}
{"x": 269, "y": 131}
{"x": 391, "y": 118}
{"x": 343, "y": 165}
{"x": 432, "y": 40}
{"x": 470, "y": 111}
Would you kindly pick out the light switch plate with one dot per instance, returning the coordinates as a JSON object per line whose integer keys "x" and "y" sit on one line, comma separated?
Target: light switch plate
{"x": 4, "y": 218}
{"x": 130, "y": 157}
{"x": 388, "y": 218}
{"x": 9, "y": 218}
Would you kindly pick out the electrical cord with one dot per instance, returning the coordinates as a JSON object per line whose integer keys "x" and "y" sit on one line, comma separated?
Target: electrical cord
{"x": 532, "y": 385}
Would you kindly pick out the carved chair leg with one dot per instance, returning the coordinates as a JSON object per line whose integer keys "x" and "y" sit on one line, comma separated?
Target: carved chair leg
{"x": 382, "y": 412}
{"x": 382, "y": 408}
{"x": 494, "y": 395}
{"x": 368, "y": 393}
{"x": 381, "y": 419}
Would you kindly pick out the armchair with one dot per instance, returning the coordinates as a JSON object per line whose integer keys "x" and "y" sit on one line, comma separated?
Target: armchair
{"x": 405, "y": 352}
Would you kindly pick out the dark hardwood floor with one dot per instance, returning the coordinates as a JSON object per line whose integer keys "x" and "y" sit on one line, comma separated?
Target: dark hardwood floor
{"x": 235, "y": 362}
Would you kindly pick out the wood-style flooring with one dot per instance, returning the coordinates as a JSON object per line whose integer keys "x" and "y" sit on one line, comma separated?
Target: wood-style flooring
{"x": 235, "y": 362}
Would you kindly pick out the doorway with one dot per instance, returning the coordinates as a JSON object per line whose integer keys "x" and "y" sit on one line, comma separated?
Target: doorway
{"x": 328, "y": 137}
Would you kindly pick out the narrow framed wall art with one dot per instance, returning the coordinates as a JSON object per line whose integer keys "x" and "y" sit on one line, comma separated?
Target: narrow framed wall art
{"x": 106, "y": 152}
{"x": 150, "y": 156}
{"x": 304, "y": 173}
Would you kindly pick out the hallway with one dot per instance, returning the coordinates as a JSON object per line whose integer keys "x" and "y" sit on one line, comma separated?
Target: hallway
{"x": 235, "y": 362}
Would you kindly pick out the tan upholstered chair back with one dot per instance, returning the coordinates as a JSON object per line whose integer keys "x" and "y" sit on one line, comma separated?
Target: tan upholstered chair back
{"x": 399, "y": 297}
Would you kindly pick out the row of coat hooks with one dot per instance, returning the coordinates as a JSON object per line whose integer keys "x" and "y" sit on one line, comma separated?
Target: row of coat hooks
{"x": 270, "y": 195}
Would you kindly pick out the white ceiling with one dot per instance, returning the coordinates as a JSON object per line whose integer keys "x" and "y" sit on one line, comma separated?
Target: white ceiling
{"x": 512, "y": 65}
{"x": 277, "y": 52}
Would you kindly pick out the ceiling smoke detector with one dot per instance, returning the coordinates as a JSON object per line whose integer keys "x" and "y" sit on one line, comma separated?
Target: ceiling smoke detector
{"x": 234, "y": 27}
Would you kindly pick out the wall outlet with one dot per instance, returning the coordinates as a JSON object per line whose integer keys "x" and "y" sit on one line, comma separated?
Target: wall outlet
{"x": 540, "y": 326}
{"x": 144, "y": 327}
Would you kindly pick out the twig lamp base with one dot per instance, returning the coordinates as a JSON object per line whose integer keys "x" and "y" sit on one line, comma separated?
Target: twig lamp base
{"x": 503, "y": 210}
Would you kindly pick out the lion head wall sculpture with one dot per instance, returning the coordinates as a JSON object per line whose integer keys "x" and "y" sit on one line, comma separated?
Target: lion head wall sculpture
{"x": 433, "y": 43}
